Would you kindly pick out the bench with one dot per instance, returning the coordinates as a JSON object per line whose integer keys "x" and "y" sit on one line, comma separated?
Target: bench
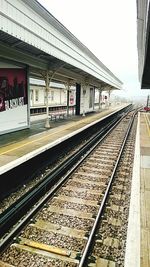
{"x": 57, "y": 114}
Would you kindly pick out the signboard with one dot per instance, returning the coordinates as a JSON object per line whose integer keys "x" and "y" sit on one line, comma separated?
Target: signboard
{"x": 71, "y": 100}
{"x": 13, "y": 99}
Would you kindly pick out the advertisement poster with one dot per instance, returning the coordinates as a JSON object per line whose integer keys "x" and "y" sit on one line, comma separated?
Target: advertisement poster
{"x": 71, "y": 100}
{"x": 13, "y": 99}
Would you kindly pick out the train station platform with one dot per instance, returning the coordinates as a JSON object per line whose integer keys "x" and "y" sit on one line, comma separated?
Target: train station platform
{"x": 138, "y": 236}
{"x": 18, "y": 147}
{"x": 145, "y": 189}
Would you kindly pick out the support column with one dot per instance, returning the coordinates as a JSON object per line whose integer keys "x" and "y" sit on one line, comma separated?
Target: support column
{"x": 84, "y": 88}
{"x": 68, "y": 91}
{"x": 100, "y": 94}
{"x": 78, "y": 98}
{"x": 47, "y": 81}
{"x": 68, "y": 88}
{"x": 47, "y": 76}
{"x": 94, "y": 98}
{"x": 108, "y": 98}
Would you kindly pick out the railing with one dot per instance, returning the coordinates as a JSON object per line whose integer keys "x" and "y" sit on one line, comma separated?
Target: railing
{"x": 52, "y": 109}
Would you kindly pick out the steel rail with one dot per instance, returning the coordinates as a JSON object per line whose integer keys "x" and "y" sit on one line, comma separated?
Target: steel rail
{"x": 75, "y": 160}
{"x": 85, "y": 254}
{"x": 7, "y": 216}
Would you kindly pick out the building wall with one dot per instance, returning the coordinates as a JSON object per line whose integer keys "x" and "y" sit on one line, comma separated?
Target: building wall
{"x": 56, "y": 96}
{"x": 87, "y": 99}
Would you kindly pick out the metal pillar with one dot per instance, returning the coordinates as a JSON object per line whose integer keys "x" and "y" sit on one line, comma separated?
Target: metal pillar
{"x": 47, "y": 78}
{"x": 100, "y": 94}
{"x": 78, "y": 98}
{"x": 47, "y": 81}
{"x": 94, "y": 98}
{"x": 68, "y": 88}
{"x": 108, "y": 98}
{"x": 84, "y": 87}
{"x": 67, "y": 85}
{"x": 83, "y": 107}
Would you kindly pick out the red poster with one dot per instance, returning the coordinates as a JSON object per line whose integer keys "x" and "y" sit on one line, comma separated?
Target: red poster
{"x": 71, "y": 99}
{"x": 13, "y": 88}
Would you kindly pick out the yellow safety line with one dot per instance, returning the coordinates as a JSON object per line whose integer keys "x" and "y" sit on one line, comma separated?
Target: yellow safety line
{"x": 31, "y": 142}
{"x": 44, "y": 137}
{"x": 147, "y": 123}
{"x": 38, "y": 139}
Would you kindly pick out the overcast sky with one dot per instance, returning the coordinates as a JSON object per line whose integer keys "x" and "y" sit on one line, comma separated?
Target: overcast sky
{"x": 108, "y": 28}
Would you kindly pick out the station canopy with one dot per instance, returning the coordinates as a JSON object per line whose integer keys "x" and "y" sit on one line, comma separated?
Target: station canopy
{"x": 32, "y": 36}
{"x": 143, "y": 42}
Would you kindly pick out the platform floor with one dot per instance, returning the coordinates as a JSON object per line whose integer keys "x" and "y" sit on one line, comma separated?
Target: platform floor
{"x": 18, "y": 147}
{"x": 138, "y": 236}
{"x": 145, "y": 188}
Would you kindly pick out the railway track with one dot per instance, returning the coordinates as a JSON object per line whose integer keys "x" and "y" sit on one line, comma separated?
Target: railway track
{"x": 110, "y": 240}
{"x": 62, "y": 231}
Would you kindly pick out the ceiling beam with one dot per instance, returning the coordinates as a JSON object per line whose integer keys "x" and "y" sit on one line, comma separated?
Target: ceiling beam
{"x": 11, "y": 53}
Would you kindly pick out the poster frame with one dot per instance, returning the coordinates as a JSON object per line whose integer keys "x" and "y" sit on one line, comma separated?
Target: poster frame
{"x": 14, "y": 64}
